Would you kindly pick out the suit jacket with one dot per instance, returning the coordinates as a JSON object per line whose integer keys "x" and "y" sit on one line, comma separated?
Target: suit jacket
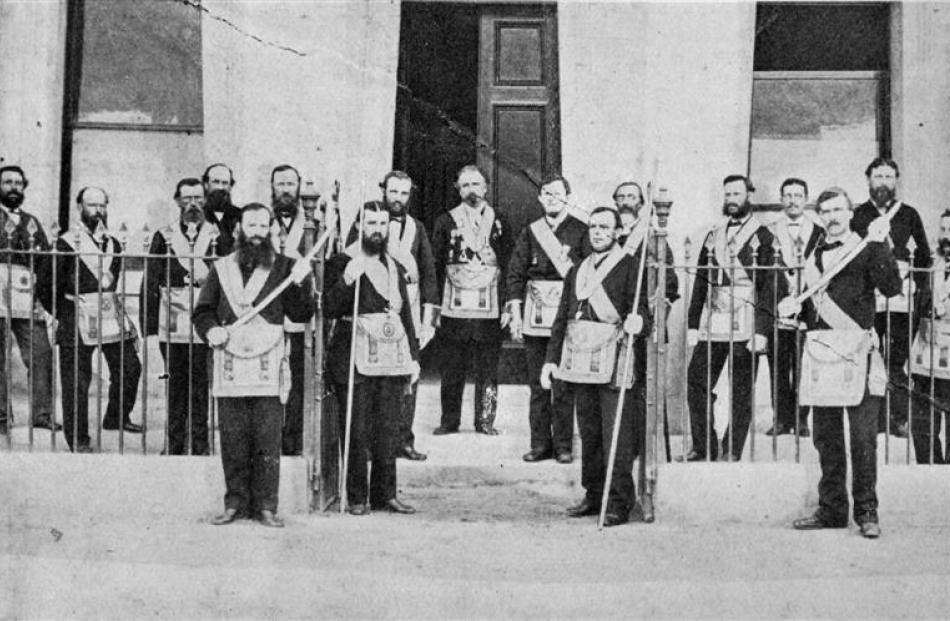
{"x": 905, "y": 225}
{"x": 530, "y": 262}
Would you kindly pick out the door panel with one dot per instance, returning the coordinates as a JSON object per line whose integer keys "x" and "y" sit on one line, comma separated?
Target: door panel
{"x": 517, "y": 107}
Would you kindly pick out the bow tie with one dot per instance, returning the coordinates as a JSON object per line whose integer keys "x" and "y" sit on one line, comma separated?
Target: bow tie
{"x": 826, "y": 246}
{"x": 734, "y": 223}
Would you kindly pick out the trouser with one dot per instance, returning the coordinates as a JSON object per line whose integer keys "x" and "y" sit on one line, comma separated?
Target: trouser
{"x": 926, "y": 431}
{"x": 784, "y": 356}
{"x": 701, "y": 377}
{"x": 250, "y": 452}
{"x": 407, "y": 415}
{"x": 37, "y": 356}
{"x": 292, "y": 433}
{"x": 550, "y": 412}
{"x": 75, "y": 372}
{"x": 894, "y": 345}
{"x": 373, "y": 428}
{"x": 482, "y": 359}
{"x": 828, "y": 423}
{"x": 596, "y": 410}
{"x": 187, "y": 417}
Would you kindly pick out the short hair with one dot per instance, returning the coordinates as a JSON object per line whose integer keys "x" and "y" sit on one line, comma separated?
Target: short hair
{"x": 375, "y": 206}
{"x": 471, "y": 168}
{"x": 282, "y": 168}
{"x": 879, "y": 162}
{"x": 625, "y": 183}
{"x": 603, "y": 209}
{"x": 793, "y": 181}
{"x": 205, "y": 178}
{"x": 395, "y": 174}
{"x": 554, "y": 179}
{"x": 733, "y": 178}
{"x": 189, "y": 181}
{"x": 252, "y": 207}
{"x": 830, "y": 193}
{"x": 18, "y": 170}
{"x": 82, "y": 193}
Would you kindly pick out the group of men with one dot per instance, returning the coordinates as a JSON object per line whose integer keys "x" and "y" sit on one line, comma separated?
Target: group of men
{"x": 570, "y": 285}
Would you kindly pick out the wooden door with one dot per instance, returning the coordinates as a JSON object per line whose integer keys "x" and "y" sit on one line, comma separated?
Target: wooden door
{"x": 518, "y": 116}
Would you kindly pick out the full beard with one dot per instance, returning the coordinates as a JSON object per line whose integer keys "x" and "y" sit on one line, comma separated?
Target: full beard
{"x": 252, "y": 255}
{"x": 217, "y": 200}
{"x": 741, "y": 211}
{"x": 12, "y": 199}
{"x": 882, "y": 195}
{"x": 92, "y": 222}
{"x": 374, "y": 244}
{"x": 396, "y": 208}
{"x": 285, "y": 205}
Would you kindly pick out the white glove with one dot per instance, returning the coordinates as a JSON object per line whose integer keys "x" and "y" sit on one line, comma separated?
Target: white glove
{"x": 517, "y": 327}
{"x": 788, "y": 307}
{"x": 878, "y": 229}
{"x": 633, "y": 324}
{"x": 414, "y": 375}
{"x": 354, "y": 269}
{"x": 940, "y": 309}
{"x": 547, "y": 372}
{"x": 425, "y": 335}
{"x": 300, "y": 270}
{"x": 217, "y": 337}
{"x": 692, "y": 338}
{"x": 757, "y": 344}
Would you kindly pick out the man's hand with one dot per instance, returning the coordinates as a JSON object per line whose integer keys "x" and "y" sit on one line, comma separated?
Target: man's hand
{"x": 757, "y": 344}
{"x": 692, "y": 338}
{"x": 414, "y": 374}
{"x": 301, "y": 270}
{"x": 515, "y": 323}
{"x": 878, "y": 229}
{"x": 633, "y": 325}
{"x": 354, "y": 269}
{"x": 547, "y": 373}
{"x": 425, "y": 335}
{"x": 789, "y": 307}
{"x": 217, "y": 337}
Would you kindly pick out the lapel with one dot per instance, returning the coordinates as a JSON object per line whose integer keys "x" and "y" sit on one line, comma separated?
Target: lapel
{"x": 183, "y": 251}
{"x": 383, "y": 275}
{"x": 471, "y": 239}
{"x": 240, "y": 296}
{"x": 89, "y": 253}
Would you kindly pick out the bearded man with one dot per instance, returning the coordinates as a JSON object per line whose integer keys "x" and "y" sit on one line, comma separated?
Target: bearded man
{"x": 21, "y": 232}
{"x": 893, "y": 314}
{"x": 250, "y": 378}
{"x": 218, "y": 181}
{"x": 172, "y": 284}
{"x": 730, "y": 318}
{"x": 408, "y": 243}
{"x": 386, "y": 358}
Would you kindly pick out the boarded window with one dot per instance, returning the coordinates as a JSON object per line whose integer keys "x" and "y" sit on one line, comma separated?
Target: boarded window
{"x": 141, "y": 63}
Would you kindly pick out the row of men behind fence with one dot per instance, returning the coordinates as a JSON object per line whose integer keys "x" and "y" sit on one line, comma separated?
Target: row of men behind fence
{"x": 467, "y": 256}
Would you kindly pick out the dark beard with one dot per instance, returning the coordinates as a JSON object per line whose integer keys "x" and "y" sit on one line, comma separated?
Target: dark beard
{"x": 374, "y": 244}
{"x": 943, "y": 248}
{"x": 472, "y": 199}
{"x": 92, "y": 222}
{"x": 250, "y": 256}
{"x": 396, "y": 208}
{"x": 12, "y": 199}
{"x": 217, "y": 200}
{"x": 741, "y": 213}
{"x": 882, "y": 195}
{"x": 285, "y": 205}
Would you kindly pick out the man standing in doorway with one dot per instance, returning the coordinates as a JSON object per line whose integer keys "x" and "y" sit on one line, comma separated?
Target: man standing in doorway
{"x": 470, "y": 244}
{"x": 544, "y": 253}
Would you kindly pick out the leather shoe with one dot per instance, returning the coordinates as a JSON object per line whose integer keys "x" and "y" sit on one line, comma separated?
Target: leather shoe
{"x": 128, "y": 426}
{"x": 269, "y": 518}
{"x": 694, "y": 456}
{"x": 443, "y": 431}
{"x": 564, "y": 457}
{"x": 409, "y": 452}
{"x": 583, "y": 508}
{"x": 227, "y": 517}
{"x": 537, "y": 455}
{"x": 488, "y": 430}
{"x": 870, "y": 530}
{"x": 3, "y": 427}
{"x": 46, "y": 423}
{"x": 83, "y": 448}
{"x": 358, "y": 509}
{"x": 816, "y": 522}
{"x": 779, "y": 430}
{"x": 616, "y": 519}
{"x": 394, "y": 505}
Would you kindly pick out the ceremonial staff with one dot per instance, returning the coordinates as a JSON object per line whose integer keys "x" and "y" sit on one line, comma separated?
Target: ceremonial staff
{"x": 627, "y": 363}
